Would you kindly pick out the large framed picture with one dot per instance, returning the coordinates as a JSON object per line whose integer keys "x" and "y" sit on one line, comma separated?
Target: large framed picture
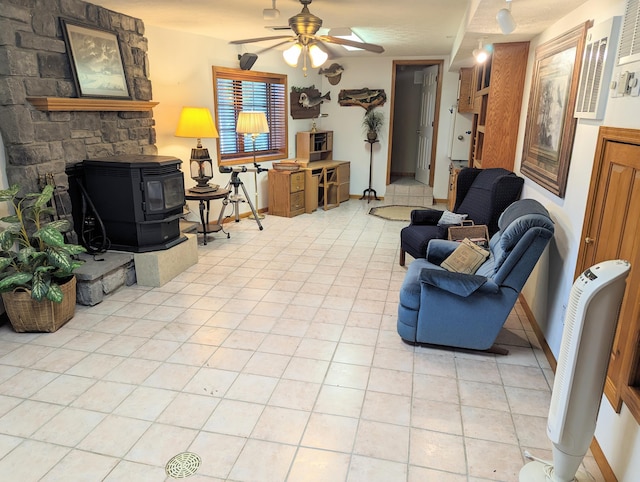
{"x": 550, "y": 126}
{"x": 96, "y": 61}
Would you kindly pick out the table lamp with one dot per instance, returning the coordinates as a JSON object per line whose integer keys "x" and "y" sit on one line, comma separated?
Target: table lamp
{"x": 196, "y": 122}
{"x": 254, "y": 124}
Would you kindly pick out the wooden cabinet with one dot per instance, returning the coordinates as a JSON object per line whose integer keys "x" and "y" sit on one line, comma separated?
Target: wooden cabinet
{"x": 314, "y": 146}
{"x": 286, "y": 193}
{"x": 344, "y": 175}
{"x": 327, "y": 180}
{"x": 454, "y": 169}
{"x": 499, "y": 84}
{"x": 327, "y": 184}
{"x": 466, "y": 93}
{"x": 321, "y": 181}
{"x": 334, "y": 184}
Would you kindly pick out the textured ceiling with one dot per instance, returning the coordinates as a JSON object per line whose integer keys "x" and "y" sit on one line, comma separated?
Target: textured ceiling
{"x": 402, "y": 27}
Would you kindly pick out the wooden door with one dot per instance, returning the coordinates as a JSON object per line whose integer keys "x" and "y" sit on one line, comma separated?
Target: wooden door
{"x": 611, "y": 231}
{"x": 427, "y": 122}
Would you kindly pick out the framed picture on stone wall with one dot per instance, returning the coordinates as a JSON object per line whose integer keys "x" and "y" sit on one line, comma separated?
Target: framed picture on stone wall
{"x": 96, "y": 61}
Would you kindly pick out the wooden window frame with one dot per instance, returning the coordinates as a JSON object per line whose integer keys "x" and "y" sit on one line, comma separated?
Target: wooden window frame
{"x": 274, "y": 103}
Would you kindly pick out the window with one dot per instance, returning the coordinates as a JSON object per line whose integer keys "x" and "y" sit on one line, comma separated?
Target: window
{"x": 236, "y": 90}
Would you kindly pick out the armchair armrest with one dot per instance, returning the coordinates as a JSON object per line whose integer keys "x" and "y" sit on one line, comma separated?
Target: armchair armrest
{"x": 459, "y": 284}
{"x": 426, "y": 216}
{"x": 439, "y": 249}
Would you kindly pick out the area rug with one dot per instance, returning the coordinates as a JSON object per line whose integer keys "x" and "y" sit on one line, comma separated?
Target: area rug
{"x": 394, "y": 212}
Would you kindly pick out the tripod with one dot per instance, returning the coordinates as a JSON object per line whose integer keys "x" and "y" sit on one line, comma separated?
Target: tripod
{"x": 235, "y": 198}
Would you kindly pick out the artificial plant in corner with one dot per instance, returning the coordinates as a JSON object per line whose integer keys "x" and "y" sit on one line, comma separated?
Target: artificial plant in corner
{"x": 34, "y": 255}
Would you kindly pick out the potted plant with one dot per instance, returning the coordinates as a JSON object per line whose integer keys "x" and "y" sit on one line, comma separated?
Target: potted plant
{"x": 36, "y": 264}
{"x": 372, "y": 124}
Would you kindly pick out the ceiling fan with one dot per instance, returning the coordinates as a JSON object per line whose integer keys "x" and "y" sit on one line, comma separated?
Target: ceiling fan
{"x": 305, "y": 25}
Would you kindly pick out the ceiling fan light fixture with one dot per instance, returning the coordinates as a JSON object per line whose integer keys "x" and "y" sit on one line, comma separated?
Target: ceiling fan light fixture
{"x": 292, "y": 54}
{"x": 505, "y": 20}
{"x": 317, "y": 56}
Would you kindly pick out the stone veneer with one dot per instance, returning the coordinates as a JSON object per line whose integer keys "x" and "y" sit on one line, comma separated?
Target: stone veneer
{"x": 34, "y": 63}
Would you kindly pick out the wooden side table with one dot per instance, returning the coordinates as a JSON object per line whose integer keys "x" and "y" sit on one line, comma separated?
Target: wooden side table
{"x": 205, "y": 200}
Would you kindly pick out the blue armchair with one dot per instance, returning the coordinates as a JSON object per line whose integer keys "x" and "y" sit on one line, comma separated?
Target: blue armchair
{"x": 482, "y": 194}
{"x": 468, "y": 311}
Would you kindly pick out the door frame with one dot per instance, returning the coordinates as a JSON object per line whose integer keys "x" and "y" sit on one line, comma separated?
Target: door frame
{"x": 434, "y": 145}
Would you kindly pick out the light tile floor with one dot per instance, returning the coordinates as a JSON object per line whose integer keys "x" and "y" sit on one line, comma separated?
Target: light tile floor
{"x": 406, "y": 191}
{"x": 274, "y": 358}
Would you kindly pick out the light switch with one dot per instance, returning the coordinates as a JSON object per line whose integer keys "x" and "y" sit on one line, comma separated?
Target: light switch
{"x": 614, "y": 85}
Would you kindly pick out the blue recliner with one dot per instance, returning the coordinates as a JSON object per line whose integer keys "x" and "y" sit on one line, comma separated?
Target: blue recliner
{"x": 468, "y": 311}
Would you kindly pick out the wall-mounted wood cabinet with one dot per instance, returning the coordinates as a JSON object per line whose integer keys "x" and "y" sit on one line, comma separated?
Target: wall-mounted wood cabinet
{"x": 499, "y": 84}
{"x": 466, "y": 93}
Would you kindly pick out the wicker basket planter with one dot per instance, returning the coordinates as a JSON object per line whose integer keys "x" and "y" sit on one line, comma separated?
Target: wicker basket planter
{"x": 29, "y": 315}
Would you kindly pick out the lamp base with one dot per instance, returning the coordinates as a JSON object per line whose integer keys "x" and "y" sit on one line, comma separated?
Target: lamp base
{"x": 204, "y": 189}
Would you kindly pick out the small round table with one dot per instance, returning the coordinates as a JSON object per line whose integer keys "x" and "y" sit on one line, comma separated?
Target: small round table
{"x": 205, "y": 199}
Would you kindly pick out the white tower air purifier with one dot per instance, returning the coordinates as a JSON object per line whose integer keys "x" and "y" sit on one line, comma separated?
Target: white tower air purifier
{"x": 587, "y": 338}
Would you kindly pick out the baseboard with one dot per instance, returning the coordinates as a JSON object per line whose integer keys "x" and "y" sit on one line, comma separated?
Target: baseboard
{"x": 601, "y": 460}
{"x": 231, "y": 217}
{"x": 539, "y": 335}
{"x": 598, "y": 455}
{"x": 440, "y": 201}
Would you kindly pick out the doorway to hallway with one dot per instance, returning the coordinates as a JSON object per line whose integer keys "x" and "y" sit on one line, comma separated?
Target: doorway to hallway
{"x": 415, "y": 99}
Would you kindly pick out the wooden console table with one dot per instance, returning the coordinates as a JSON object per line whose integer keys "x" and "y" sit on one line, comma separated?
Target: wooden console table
{"x": 205, "y": 200}
{"x": 326, "y": 182}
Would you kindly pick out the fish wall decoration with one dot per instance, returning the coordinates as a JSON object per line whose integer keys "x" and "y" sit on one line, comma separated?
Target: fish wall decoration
{"x": 308, "y": 102}
{"x": 305, "y": 102}
{"x": 365, "y": 97}
{"x": 333, "y": 73}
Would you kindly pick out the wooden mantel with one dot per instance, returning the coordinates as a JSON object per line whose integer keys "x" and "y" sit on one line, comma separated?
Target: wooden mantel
{"x": 89, "y": 104}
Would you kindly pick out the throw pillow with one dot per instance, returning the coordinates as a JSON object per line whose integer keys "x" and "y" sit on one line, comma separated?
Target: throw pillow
{"x": 466, "y": 258}
{"x": 451, "y": 218}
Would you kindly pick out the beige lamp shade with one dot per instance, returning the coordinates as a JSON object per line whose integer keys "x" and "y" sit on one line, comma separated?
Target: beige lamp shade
{"x": 252, "y": 123}
{"x": 196, "y": 122}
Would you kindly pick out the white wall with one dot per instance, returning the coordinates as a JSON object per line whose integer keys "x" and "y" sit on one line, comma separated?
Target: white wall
{"x": 618, "y": 435}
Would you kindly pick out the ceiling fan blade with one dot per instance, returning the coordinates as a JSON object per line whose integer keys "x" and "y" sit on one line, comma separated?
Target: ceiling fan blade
{"x": 361, "y": 45}
{"x": 258, "y": 39}
{"x": 291, "y": 39}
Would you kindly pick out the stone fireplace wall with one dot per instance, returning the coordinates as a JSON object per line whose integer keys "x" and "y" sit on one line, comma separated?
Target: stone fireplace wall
{"x": 34, "y": 63}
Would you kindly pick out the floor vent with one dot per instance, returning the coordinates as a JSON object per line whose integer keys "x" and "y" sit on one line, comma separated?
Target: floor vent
{"x": 183, "y": 465}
